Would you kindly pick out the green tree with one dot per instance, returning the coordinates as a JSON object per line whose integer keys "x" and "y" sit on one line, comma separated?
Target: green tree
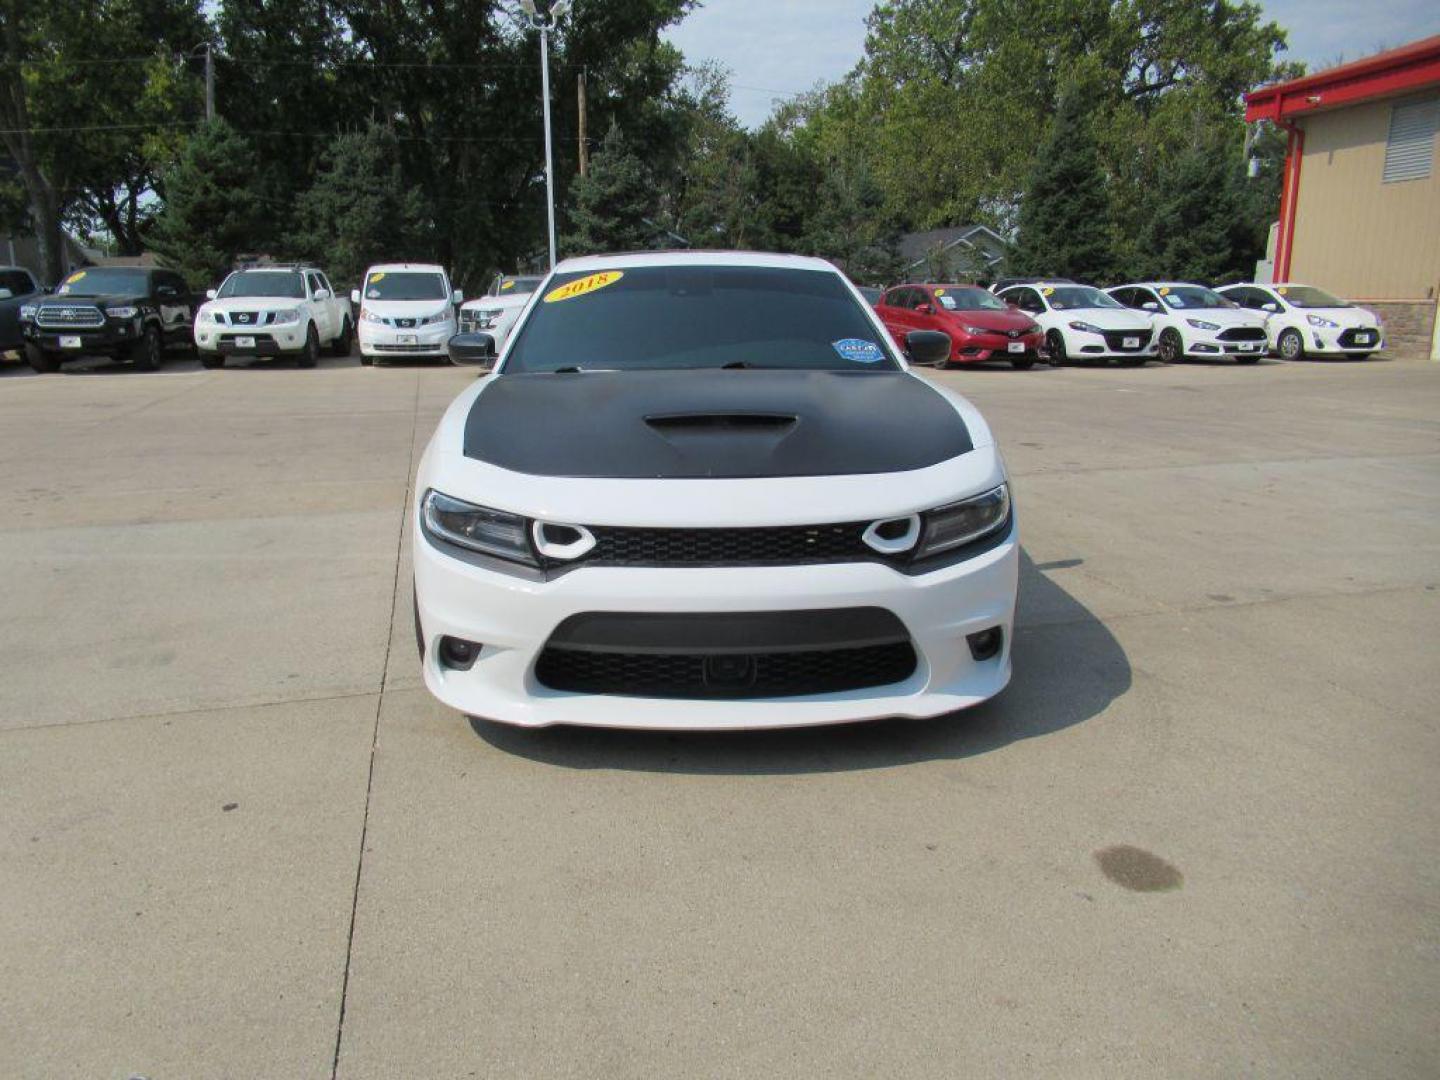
{"x": 613, "y": 207}
{"x": 1065, "y": 220}
{"x": 212, "y": 213}
{"x": 1196, "y": 230}
{"x": 360, "y": 210}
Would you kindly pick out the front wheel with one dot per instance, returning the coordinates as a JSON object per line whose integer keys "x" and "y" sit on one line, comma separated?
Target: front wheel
{"x": 366, "y": 361}
{"x": 1055, "y": 346}
{"x": 1171, "y": 348}
{"x": 41, "y": 361}
{"x": 149, "y": 349}
{"x": 311, "y": 356}
{"x": 1023, "y": 363}
{"x": 1291, "y": 345}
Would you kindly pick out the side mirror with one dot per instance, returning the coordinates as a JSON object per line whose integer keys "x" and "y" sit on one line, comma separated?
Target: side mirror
{"x": 354, "y": 296}
{"x": 925, "y": 309}
{"x": 1271, "y": 306}
{"x": 209, "y": 294}
{"x": 457, "y": 297}
{"x": 5, "y": 294}
{"x": 166, "y": 292}
{"x": 475, "y": 349}
{"x": 48, "y": 289}
{"x": 1150, "y": 305}
{"x": 322, "y": 294}
{"x": 927, "y": 347}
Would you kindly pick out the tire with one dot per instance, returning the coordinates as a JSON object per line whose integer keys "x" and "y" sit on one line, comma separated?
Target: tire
{"x": 212, "y": 360}
{"x": 1172, "y": 347}
{"x": 41, "y": 361}
{"x": 1055, "y": 346}
{"x": 148, "y": 351}
{"x": 341, "y": 345}
{"x": 1291, "y": 345}
{"x": 311, "y": 356}
{"x": 366, "y": 361}
{"x": 1024, "y": 363}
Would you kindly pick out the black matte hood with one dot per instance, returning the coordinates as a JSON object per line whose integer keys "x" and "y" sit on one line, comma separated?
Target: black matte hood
{"x": 713, "y": 424}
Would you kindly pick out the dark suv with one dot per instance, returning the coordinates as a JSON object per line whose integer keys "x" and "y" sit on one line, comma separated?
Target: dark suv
{"x": 132, "y": 312}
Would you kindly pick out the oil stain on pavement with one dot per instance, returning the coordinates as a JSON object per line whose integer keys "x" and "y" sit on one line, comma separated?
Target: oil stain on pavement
{"x": 1137, "y": 869}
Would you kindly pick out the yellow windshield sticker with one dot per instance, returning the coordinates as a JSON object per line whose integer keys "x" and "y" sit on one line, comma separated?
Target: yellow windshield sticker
{"x": 74, "y": 277}
{"x": 1048, "y": 292}
{"x": 1282, "y": 291}
{"x": 1165, "y": 291}
{"x": 376, "y": 277}
{"x": 581, "y": 286}
{"x": 506, "y": 285}
{"x": 939, "y": 292}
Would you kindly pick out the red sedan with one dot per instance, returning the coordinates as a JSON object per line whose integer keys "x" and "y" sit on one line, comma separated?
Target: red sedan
{"x": 981, "y": 326}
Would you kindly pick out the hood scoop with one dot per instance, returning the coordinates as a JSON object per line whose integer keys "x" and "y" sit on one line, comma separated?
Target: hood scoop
{"x": 730, "y": 422}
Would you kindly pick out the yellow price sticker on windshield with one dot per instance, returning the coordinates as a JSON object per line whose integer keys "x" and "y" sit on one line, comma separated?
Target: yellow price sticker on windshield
{"x": 74, "y": 277}
{"x": 1165, "y": 291}
{"x": 939, "y": 292}
{"x": 1282, "y": 292}
{"x": 581, "y": 286}
{"x": 376, "y": 277}
{"x": 506, "y": 285}
{"x": 1048, "y": 292}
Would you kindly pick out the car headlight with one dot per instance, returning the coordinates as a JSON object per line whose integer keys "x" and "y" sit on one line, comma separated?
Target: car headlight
{"x": 979, "y": 330}
{"x": 489, "y": 317}
{"x": 1321, "y": 321}
{"x": 961, "y": 523}
{"x": 211, "y": 315}
{"x": 439, "y": 316}
{"x": 1033, "y": 328}
{"x": 125, "y": 311}
{"x": 1201, "y": 324}
{"x": 285, "y": 315}
{"x": 477, "y": 528}
{"x": 366, "y": 315}
{"x": 27, "y": 311}
{"x": 1089, "y": 328}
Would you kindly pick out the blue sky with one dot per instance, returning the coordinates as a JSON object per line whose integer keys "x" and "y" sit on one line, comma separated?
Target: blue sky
{"x": 778, "y": 47}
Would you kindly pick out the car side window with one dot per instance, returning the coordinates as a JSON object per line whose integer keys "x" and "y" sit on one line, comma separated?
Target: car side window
{"x": 325, "y": 283}
{"x": 1141, "y": 297}
{"x": 1026, "y": 300}
{"x": 893, "y": 298}
{"x": 1129, "y": 297}
{"x": 313, "y": 285}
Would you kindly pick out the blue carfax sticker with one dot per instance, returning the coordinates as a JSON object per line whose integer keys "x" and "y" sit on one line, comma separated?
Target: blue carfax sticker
{"x": 859, "y": 350}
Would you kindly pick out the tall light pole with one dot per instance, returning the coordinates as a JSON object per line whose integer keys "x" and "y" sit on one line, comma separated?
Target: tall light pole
{"x": 545, "y": 22}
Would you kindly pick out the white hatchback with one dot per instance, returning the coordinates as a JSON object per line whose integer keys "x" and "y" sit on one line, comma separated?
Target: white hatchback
{"x": 1302, "y": 321}
{"x": 407, "y": 311}
{"x": 1195, "y": 322}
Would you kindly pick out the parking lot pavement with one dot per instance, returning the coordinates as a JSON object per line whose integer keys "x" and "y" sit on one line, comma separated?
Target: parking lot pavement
{"x": 1195, "y": 837}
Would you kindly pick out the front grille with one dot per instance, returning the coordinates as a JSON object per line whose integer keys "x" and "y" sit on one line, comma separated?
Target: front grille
{"x": 1115, "y": 340}
{"x": 1352, "y": 338}
{"x": 67, "y": 316}
{"x": 684, "y": 675}
{"x": 781, "y": 545}
{"x": 1013, "y": 333}
{"x": 404, "y": 324}
{"x": 407, "y": 348}
{"x": 1243, "y": 333}
{"x": 248, "y": 318}
{"x": 469, "y": 322}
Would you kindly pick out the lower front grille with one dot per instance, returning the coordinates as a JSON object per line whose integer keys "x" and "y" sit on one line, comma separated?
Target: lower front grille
{"x": 1116, "y": 340}
{"x": 1357, "y": 338}
{"x": 704, "y": 675}
{"x": 781, "y": 545}
{"x": 1243, "y": 333}
{"x": 407, "y": 348}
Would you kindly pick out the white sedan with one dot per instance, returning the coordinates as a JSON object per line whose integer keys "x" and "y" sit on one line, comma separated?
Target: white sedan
{"x": 1302, "y": 321}
{"x": 751, "y": 515}
{"x": 1195, "y": 322}
{"x": 1082, "y": 323}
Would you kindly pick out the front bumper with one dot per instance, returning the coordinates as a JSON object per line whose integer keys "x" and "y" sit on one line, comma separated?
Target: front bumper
{"x": 269, "y": 341}
{"x": 377, "y": 340}
{"x": 513, "y": 617}
{"x": 976, "y": 350}
{"x": 1201, "y": 347}
{"x": 116, "y": 336}
{"x": 1346, "y": 341}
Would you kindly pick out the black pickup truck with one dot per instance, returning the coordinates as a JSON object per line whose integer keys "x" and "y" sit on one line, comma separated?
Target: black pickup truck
{"x": 18, "y": 287}
{"x": 130, "y": 312}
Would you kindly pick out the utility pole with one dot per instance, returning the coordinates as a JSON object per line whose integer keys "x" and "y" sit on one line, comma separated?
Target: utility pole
{"x": 545, "y": 23}
{"x": 584, "y": 128}
{"x": 209, "y": 83}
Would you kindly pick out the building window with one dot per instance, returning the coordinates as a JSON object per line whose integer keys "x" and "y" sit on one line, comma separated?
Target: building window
{"x": 1410, "y": 149}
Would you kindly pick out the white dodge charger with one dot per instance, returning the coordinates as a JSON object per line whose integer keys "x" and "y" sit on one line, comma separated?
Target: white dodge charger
{"x": 703, "y": 491}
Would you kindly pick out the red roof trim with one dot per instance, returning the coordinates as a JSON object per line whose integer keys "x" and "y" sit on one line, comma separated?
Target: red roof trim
{"x": 1411, "y": 67}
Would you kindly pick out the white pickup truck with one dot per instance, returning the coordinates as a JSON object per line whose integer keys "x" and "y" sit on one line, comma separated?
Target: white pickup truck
{"x": 495, "y": 313}
{"x": 274, "y": 311}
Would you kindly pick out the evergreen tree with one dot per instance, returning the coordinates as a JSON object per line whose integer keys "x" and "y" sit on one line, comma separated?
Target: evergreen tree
{"x": 1197, "y": 229}
{"x": 212, "y": 213}
{"x": 613, "y": 207}
{"x": 1065, "y": 219}
{"x": 359, "y": 211}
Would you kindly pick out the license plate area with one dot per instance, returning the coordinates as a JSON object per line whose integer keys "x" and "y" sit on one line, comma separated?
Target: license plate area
{"x": 244, "y": 342}
{"x": 70, "y": 341}
{"x": 407, "y": 339}
{"x": 1130, "y": 343}
{"x": 1016, "y": 346}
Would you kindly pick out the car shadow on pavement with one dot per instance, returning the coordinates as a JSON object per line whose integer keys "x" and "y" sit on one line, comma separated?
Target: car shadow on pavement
{"x": 1068, "y": 668}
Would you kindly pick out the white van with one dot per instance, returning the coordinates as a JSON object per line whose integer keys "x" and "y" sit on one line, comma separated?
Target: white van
{"x": 407, "y": 311}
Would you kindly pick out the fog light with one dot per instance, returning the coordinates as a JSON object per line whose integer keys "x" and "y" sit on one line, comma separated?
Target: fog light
{"x": 986, "y": 644}
{"x": 457, "y": 654}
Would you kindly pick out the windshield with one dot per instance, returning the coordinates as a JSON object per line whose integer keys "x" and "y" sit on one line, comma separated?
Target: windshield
{"x": 1306, "y": 296}
{"x": 404, "y": 285}
{"x": 965, "y": 298}
{"x": 1068, "y": 297}
{"x": 668, "y": 317}
{"x": 515, "y": 286}
{"x": 109, "y": 281}
{"x": 1185, "y": 297}
{"x": 275, "y": 283}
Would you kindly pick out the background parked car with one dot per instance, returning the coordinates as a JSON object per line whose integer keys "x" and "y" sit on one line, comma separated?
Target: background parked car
{"x": 1005, "y": 283}
{"x": 273, "y": 311}
{"x": 871, "y": 294}
{"x": 1302, "y": 320}
{"x": 1191, "y": 320}
{"x": 407, "y": 311}
{"x": 132, "y": 312}
{"x": 17, "y": 287}
{"x": 495, "y": 312}
{"x": 1083, "y": 323}
{"x": 980, "y": 325}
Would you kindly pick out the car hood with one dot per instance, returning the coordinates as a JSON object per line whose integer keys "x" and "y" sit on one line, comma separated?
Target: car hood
{"x": 405, "y": 309}
{"x": 497, "y": 303}
{"x": 109, "y": 299}
{"x": 255, "y": 303}
{"x": 1223, "y": 317}
{"x": 1106, "y": 318}
{"x": 713, "y": 424}
{"x": 1002, "y": 321}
